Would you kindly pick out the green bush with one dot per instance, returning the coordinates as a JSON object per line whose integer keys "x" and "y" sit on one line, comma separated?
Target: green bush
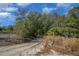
{"x": 64, "y": 31}
{"x": 35, "y": 25}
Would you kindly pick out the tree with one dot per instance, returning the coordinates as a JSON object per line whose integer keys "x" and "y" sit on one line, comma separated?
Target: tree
{"x": 74, "y": 12}
{"x": 34, "y": 25}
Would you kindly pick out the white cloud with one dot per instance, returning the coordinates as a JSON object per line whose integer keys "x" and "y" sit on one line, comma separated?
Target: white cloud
{"x": 47, "y": 10}
{"x": 23, "y": 4}
{"x": 64, "y": 5}
{"x": 10, "y": 9}
{"x": 4, "y": 13}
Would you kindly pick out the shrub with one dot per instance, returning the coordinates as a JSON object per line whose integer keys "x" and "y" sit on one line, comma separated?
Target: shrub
{"x": 67, "y": 44}
{"x": 72, "y": 44}
{"x": 35, "y": 25}
{"x": 64, "y": 31}
{"x": 50, "y": 41}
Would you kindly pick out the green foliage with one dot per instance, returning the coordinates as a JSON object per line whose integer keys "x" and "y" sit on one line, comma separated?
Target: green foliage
{"x": 67, "y": 26}
{"x": 9, "y": 28}
{"x": 76, "y": 8}
{"x": 74, "y": 23}
{"x": 1, "y": 28}
{"x": 64, "y": 31}
{"x": 74, "y": 13}
{"x": 37, "y": 25}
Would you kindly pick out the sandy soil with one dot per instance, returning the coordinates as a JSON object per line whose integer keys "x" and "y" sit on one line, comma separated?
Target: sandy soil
{"x": 17, "y": 50}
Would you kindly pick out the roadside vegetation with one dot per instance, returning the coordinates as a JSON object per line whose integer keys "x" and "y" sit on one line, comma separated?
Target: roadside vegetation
{"x": 62, "y": 31}
{"x": 60, "y": 44}
{"x": 37, "y": 25}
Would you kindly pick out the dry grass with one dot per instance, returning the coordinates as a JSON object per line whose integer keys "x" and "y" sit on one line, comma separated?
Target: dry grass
{"x": 64, "y": 45}
{"x": 50, "y": 41}
{"x": 72, "y": 44}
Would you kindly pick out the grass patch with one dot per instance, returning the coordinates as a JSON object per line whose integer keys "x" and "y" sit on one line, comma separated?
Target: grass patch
{"x": 60, "y": 44}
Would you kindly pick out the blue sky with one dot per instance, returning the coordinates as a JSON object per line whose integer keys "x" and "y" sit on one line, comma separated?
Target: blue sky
{"x": 9, "y": 11}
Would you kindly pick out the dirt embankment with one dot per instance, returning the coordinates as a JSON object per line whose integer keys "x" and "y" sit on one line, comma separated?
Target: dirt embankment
{"x": 57, "y": 45}
{"x": 48, "y": 46}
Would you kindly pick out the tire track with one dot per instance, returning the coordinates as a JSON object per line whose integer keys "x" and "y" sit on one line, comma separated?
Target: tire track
{"x": 16, "y": 49}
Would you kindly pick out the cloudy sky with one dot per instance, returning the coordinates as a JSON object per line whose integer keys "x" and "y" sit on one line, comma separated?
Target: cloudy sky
{"x": 9, "y": 11}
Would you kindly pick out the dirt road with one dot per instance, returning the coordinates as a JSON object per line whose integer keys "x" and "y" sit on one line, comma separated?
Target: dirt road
{"x": 17, "y": 50}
